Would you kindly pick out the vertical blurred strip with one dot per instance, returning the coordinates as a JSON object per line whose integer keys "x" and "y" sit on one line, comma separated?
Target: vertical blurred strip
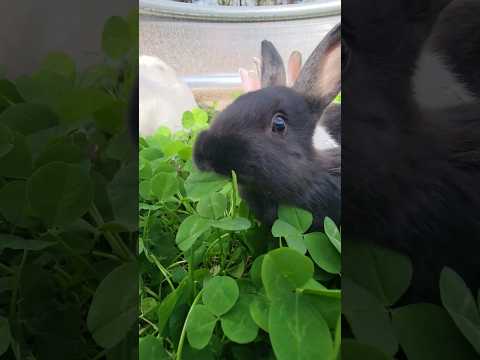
{"x": 68, "y": 180}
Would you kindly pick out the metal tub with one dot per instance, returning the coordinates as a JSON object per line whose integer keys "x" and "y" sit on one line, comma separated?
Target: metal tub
{"x": 206, "y": 45}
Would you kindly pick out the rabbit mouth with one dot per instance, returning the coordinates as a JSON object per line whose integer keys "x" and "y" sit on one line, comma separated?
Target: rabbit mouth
{"x": 222, "y": 154}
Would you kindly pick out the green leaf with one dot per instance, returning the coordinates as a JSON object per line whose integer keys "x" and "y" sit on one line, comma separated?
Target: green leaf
{"x": 59, "y": 193}
{"x": 13, "y": 202}
{"x": 189, "y": 231}
{"x": 298, "y": 331}
{"x": 200, "y": 117}
{"x": 18, "y": 243}
{"x": 116, "y": 40}
{"x": 284, "y": 270}
{"x": 27, "y": 118}
{"x": 187, "y": 120}
{"x": 326, "y": 302}
{"x": 200, "y": 183}
{"x": 17, "y": 163}
{"x": 292, "y": 235}
{"x": 256, "y": 271}
{"x": 333, "y": 234}
{"x": 7, "y": 140}
{"x": 110, "y": 117}
{"x": 384, "y": 273}
{"x": 298, "y": 218}
{"x": 323, "y": 252}
{"x": 133, "y": 19}
{"x": 164, "y": 185}
{"x": 460, "y": 304}
{"x": 44, "y": 87}
{"x": 168, "y": 304}
{"x": 220, "y": 294}
{"x": 5, "y": 336}
{"x": 147, "y": 305}
{"x": 8, "y": 93}
{"x": 238, "y": 325}
{"x": 426, "y": 332}
{"x": 338, "y": 99}
{"x": 368, "y": 318}
{"x": 200, "y": 326}
{"x": 212, "y": 206}
{"x": 235, "y": 224}
{"x": 114, "y": 307}
{"x": 145, "y": 189}
{"x": 259, "y": 308}
{"x": 173, "y": 148}
{"x": 59, "y": 63}
{"x": 80, "y": 104}
{"x": 330, "y": 293}
{"x": 354, "y": 350}
{"x": 63, "y": 151}
{"x": 151, "y": 348}
{"x": 123, "y": 194}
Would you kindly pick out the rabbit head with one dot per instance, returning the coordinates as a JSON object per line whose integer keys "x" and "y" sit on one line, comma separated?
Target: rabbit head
{"x": 327, "y": 131}
{"x": 266, "y": 136}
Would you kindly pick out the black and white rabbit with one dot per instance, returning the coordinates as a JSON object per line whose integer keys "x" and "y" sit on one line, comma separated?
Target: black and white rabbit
{"x": 410, "y": 173}
{"x": 266, "y": 137}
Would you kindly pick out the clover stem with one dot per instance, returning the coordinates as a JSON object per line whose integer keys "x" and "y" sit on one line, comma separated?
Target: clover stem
{"x": 164, "y": 271}
{"x": 184, "y": 328}
{"x": 234, "y": 193}
{"x": 115, "y": 242}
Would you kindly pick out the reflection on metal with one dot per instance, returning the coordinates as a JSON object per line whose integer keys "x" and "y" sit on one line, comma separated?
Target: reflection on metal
{"x": 225, "y": 81}
{"x": 172, "y": 9}
{"x": 206, "y": 45}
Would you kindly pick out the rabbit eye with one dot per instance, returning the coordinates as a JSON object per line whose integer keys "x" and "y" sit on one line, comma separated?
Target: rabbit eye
{"x": 279, "y": 123}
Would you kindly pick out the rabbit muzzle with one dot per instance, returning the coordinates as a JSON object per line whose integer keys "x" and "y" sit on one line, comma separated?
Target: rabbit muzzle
{"x": 222, "y": 154}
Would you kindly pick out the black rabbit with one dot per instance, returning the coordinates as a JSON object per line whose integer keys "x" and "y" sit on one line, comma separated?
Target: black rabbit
{"x": 266, "y": 137}
{"x": 410, "y": 169}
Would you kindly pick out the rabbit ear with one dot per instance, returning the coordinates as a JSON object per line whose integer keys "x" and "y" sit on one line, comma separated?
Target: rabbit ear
{"x": 320, "y": 78}
{"x": 272, "y": 69}
{"x": 250, "y": 81}
{"x": 294, "y": 67}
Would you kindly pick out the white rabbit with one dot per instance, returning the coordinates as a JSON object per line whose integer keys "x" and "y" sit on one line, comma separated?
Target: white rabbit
{"x": 163, "y": 96}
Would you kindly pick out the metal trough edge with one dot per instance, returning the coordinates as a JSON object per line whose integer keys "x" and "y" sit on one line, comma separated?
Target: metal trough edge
{"x": 172, "y": 9}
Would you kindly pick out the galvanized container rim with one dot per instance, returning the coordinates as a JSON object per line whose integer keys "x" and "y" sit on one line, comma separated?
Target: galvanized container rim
{"x": 172, "y": 9}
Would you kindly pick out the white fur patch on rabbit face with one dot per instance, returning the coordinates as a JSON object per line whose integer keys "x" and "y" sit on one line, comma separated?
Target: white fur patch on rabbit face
{"x": 435, "y": 85}
{"x": 322, "y": 139}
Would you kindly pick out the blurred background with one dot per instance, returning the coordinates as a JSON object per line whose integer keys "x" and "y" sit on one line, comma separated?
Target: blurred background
{"x": 205, "y": 42}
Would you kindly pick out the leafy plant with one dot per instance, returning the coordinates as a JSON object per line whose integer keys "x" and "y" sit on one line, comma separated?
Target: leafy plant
{"x": 217, "y": 284}
{"x": 68, "y": 278}
{"x": 375, "y": 281}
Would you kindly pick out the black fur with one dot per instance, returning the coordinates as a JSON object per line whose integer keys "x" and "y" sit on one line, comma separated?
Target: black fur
{"x": 273, "y": 168}
{"x": 331, "y": 119}
{"x": 411, "y": 177}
